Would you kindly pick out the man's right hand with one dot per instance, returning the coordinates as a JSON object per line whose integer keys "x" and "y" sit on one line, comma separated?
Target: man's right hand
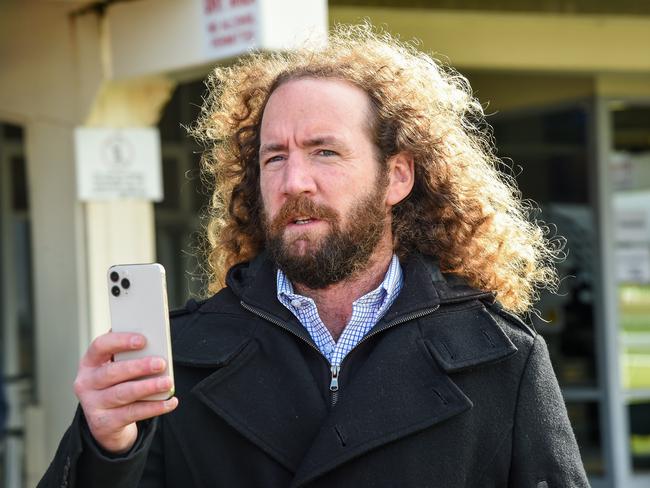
{"x": 111, "y": 393}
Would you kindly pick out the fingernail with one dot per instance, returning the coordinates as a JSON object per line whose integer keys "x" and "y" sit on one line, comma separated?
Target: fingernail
{"x": 171, "y": 403}
{"x": 137, "y": 341}
{"x": 164, "y": 383}
{"x": 157, "y": 364}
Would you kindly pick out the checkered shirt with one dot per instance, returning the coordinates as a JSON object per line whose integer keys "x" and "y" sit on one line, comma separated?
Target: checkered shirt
{"x": 366, "y": 312}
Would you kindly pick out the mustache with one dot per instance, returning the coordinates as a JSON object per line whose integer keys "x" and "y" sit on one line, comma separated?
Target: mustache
{"x": 301, "y": 206}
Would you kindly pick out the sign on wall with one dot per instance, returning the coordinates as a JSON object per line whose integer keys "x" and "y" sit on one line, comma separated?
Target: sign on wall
{"x": 164, "y": 36}
{"x": 230, "y": 27}
{"x": 118, "y": 163}
{"x": 633, "y": 264}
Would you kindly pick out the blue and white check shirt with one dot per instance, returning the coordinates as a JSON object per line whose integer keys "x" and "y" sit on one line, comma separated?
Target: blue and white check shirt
{"x": 366, "y": 312}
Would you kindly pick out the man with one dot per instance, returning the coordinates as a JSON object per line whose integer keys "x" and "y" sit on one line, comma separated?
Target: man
{"x": 365, "y": 335}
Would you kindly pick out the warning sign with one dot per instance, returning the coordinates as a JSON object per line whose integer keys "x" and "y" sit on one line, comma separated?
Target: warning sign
{"x": 118, "y": 163}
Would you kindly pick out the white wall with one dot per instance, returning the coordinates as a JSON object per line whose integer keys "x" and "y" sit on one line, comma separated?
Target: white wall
{"x": 43, "y": 74}
{"x": 152, "y": 36}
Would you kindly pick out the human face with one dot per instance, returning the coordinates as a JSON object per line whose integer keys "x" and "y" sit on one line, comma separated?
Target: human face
{"x": 320, "y": 181}
{"x": 342, "y": 254}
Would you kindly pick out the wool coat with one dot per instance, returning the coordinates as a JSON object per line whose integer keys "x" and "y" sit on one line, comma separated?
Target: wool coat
{"x": 447, "y": 390}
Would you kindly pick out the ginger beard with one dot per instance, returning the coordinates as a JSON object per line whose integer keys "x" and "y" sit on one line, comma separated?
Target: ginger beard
{"x": 320, "y": 261}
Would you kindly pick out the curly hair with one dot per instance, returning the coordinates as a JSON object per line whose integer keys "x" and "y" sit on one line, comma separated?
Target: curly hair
{"x": 463, "y": 210}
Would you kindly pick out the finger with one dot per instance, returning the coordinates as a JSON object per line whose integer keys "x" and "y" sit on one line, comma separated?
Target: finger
{"x": 103, "y": 422}
{"x": 112, "y": 373}
{"x": 104, "y": 346}
{"x": 133, "y": 391}
{"x": 135, "y": 412}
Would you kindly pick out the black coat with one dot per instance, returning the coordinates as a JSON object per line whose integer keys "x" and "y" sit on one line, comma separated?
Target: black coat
{"x": 447, "y": 390}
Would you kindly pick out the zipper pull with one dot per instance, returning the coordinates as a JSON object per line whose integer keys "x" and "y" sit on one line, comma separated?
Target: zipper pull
{"x": 334, "y": 384}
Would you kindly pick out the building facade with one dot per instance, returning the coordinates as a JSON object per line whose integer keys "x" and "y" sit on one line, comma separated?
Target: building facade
{"x": 567, "y": 87}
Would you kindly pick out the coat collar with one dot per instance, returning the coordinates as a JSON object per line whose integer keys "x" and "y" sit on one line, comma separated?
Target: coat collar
{"x": 425, "y": 286}
{"x": 407, "y": 366}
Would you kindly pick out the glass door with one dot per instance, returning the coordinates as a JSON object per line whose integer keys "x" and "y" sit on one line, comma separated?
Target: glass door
{"x": 16, "y": 310}
{"x": 178, "y": 216}
{"x": 549, "y": 150}
{"x": 628, "y": 159}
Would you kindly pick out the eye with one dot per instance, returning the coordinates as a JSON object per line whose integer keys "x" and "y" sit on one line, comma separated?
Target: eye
{"x": 273, "y": 159}
{"x": 326, "y": 152}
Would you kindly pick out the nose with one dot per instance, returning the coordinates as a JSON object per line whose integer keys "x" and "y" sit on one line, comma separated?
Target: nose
{"x": 298, "y": 177}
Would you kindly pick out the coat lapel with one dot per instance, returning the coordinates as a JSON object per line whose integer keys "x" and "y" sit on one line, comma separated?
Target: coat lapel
{"x": 399, "y": 391}
{"x": 262, "y": 386}
{"x": 271, "y": 400}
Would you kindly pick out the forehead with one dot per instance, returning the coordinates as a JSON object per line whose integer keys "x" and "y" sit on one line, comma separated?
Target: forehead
{"x": 312, "y": 104}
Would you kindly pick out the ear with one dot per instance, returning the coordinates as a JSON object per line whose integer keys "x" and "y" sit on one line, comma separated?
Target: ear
{"x": 401, "y": 177}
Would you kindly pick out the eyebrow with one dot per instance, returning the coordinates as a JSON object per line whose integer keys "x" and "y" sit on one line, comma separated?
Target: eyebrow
{"x": 272, "y": 147}
{"x": 323, "y": 141}
{"x": 314, "y": 141}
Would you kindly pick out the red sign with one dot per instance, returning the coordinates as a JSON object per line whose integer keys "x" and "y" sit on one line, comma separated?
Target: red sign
{"x": 230, "y": 27}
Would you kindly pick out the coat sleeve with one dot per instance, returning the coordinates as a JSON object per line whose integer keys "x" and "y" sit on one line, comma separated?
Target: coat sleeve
{"x": 544, "y": 451}
{"x": 80, "y": 462}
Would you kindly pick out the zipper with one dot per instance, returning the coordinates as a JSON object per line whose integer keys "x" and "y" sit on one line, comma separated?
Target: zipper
{"x": 335, "y": 369}
{"x": 334, "y": 384}
{"x": 273, "y": 320}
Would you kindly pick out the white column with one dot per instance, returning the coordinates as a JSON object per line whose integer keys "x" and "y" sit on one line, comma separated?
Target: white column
{"x": 60, "y": 285}
{"x": 616, "y": 431}
{"x": 73, "y": 245}
{"x": 116, "y": 233}
{"x": 120, "y": 231}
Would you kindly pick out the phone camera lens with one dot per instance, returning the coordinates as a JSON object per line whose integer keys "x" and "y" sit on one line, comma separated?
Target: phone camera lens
{"x": 115, "y": 291}
{"x": 114, "y": 276}
{"x": 126, "y": 283}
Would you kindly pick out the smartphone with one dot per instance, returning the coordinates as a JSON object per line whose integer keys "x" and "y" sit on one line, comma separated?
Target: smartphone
{"x": 137, "y": 295}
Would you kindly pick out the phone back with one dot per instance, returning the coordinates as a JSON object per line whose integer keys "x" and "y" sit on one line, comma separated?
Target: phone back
{"x": 138, "y": 303}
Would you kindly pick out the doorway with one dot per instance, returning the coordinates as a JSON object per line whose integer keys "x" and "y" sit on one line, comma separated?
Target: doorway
{"x": 549, "y": 151}
{"x": 16, "y": 301}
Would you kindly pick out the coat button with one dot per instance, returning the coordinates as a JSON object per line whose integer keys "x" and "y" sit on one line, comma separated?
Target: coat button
{"x": 66, "y": 472}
